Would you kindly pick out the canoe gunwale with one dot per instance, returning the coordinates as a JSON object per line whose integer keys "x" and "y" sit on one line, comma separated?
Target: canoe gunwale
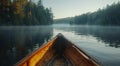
{"x": 27, "y": 57}
{"x": 86, "y": 55}
{"x": 51, "y": 43}
{"x": 81, "y": 51}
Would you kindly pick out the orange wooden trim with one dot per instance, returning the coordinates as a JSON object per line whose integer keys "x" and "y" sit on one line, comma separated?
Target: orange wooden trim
{"x": 25, "y": 61}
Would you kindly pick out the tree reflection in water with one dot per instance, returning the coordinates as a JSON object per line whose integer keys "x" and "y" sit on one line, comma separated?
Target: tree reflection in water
{"x": 107, "y": 34}
{"x": 17, "y": 42}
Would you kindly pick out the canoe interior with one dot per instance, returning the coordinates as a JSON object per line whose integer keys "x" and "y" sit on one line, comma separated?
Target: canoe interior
{"x": 58, "y": 52}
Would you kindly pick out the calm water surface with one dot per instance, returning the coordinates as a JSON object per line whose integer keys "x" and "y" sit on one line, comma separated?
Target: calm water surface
{"x": 101, "y": 43}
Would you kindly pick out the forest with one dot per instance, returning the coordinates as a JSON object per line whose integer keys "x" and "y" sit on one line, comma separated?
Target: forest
{"x": 24, "y": 12}
{"x": 110, "y": 16}
{"x": 66, "y": 20}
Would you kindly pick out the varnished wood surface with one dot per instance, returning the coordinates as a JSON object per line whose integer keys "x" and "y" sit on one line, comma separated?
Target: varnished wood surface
{"x": 59, "y": 61}
{"x": 58, "y": 52}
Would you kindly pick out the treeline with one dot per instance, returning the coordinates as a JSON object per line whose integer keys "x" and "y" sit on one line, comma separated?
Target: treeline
{"x": 24, "y": 12}
{"x": 106, "y": 16}
{"x": 67, "y": 20}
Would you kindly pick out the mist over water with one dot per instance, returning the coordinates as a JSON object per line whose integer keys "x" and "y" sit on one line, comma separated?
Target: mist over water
{"x": 100, "y": 42}
{"x": 16, "y": 42}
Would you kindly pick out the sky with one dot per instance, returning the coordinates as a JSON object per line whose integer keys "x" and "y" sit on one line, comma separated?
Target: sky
{"x": 70, "y": 8}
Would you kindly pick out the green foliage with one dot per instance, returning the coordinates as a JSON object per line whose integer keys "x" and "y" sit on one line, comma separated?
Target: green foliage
{"x": 22, "y": 12}
{"x": 107, "y": 16}
{"x": 68, "y": 20}
{"x": 5, "y": 9}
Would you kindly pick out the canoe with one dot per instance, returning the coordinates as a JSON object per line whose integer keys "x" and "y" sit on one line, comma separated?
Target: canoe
{"x": 58, "y": 52}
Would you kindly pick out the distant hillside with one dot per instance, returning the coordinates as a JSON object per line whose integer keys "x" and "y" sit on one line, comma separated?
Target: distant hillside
{"x": 109, "y": 16}
{"x": 67, "y": 20}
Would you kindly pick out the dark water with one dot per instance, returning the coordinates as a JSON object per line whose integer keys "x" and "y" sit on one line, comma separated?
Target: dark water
{"x": 17, "y": 42}
{"x": 101, "y": 43}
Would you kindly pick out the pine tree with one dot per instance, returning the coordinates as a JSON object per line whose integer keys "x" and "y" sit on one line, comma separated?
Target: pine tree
{"x": 5, "y": 11}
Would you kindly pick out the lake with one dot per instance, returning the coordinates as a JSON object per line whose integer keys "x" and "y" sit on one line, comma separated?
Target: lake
{"x": 101, "y": 42}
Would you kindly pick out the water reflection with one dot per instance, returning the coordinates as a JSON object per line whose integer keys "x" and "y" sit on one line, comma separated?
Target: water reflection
{"x": 17, "y": 42}
{"x": 98, "y": 41}
{"x": 108, "y": 35}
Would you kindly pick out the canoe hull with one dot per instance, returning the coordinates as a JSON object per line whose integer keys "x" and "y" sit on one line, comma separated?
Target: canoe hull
{"x": 58, "y": 52}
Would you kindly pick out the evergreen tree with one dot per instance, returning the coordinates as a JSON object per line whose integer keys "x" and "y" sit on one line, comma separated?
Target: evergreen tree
{"x": 22, "y": 12}
{"x": 107, "y": 16}
{"x": 5, "y": 11}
